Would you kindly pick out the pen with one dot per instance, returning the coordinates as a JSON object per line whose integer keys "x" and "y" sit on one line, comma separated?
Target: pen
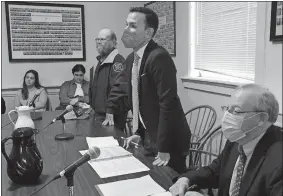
{"x": 136, "y": 144}
{"x": 192, "y": 187}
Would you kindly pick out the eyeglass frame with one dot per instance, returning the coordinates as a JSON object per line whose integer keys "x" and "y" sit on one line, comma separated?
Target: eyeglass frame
{"x": 101, "y": 39}
{"x": 226, "y": 108}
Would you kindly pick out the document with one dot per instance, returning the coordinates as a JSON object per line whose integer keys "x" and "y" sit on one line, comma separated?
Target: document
{"x": 118, "y": 166}
{"x": 162, "y": 194}
{"x": 101, "y": 141}
{"x": 144, "y": 186}
{"x": 109, "y": 153}
{"x": 113, "y": 160}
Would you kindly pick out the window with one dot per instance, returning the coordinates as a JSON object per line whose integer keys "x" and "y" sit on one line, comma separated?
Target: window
{"x": 223, "y": 40}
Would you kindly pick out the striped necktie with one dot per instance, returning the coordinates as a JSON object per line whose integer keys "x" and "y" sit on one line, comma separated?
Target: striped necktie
{"x": 240, "y": 171}
{"x": 135, "y": 92}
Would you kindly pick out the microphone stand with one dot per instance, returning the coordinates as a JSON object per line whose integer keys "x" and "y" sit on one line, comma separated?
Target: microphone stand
{"x": 70, "y": 182}
{"x": 64, "y": 136}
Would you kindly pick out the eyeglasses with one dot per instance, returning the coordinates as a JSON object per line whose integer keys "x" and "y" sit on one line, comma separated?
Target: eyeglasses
{"x": 233, "y": 111}
{"x": 101, "y": 39}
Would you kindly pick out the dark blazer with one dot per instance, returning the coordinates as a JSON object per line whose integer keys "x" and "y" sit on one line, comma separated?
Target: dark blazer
{"x": 160, "y": 107}
{"x": 263, "y": 175}
{"x": 3, "y": 106}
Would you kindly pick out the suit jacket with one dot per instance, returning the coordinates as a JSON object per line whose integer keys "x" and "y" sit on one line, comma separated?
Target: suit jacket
{"x": 159, "y": 104}
{"x": 263, "y": 176}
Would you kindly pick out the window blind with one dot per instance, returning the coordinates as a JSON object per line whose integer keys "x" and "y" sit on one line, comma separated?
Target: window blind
{"x": 225, "y": 38}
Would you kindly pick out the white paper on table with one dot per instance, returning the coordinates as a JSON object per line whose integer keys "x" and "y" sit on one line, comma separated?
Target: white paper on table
{"x": 118, "y": 166}
{"x": 143, "y": 186}
{"x": 162, "y": 194}
{"x": 108, "y": 153}
{"x": 101, "y": 141}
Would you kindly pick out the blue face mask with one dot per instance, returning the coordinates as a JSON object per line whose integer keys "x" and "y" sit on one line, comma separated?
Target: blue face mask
{"x": 235, "y": 127}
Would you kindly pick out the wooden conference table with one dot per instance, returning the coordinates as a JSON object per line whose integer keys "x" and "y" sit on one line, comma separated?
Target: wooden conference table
{"x": 59, "y": 154}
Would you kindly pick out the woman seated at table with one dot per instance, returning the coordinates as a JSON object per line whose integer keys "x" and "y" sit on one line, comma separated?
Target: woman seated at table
{"x": 74, "y": 92}
{"x": 31, "y": 86}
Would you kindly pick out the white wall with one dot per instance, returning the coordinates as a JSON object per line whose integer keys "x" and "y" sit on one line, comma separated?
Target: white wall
{"x": 98, "y": 15}
{"x": 268, "y": 68}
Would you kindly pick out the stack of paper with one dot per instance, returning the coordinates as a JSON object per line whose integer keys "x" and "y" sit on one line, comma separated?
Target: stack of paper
{"x": 113, "y": 160}
{"x": 108, "y": 153}
{"x": 163, "y": 194}
{"x": 101, "y": 141}
{"x": 144, "y": 186}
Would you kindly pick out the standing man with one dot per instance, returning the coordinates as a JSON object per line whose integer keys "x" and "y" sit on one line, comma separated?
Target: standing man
{"x": 150, "y": 80}
{"x": 110, "y": 63}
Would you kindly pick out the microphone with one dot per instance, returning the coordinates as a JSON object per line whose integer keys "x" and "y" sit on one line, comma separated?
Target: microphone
{"x": 31, "y": 103}
{"x": 92, "y": 153}
{"x": 69, "y": 108}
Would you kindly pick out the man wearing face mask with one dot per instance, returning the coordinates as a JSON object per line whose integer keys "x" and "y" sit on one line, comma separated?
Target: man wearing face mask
{"x": 102, "y": 77}
{"x": 149, "y": 82}
{"x": 251, "y": 161}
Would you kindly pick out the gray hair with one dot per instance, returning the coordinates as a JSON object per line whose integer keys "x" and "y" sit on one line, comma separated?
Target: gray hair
{"x": 266, "y": 100}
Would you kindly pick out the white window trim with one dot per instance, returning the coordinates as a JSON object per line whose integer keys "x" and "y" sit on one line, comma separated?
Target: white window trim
{"x": 212, "y": 79}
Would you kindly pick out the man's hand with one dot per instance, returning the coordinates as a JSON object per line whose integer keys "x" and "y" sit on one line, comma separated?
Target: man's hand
{"x": 109, "y": 119}
{"x": 74, "y": 101}
{"x": 161, "y": 159}
{"x": 180, "y": 187}
{"x": 134, "y": 139}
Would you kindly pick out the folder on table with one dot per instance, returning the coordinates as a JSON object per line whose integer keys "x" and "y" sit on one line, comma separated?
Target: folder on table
{"x": 113, "y": 160}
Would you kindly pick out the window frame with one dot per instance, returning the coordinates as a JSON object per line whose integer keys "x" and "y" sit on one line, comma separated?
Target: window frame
{"x": 211, "y": 78}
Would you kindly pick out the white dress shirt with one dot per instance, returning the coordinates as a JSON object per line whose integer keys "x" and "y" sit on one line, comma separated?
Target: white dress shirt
{"x": 140, "y": 53}
{"x": 248, "y": 149}
{"x": 79, "y": 90}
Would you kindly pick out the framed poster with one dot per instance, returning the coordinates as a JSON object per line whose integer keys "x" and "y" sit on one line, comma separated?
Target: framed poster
{"x": 45, "y": 32}
{"x": 276, "y": 25}
{"x": 166, "y": 33}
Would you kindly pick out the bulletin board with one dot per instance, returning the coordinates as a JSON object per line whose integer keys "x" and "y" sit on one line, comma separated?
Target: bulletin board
{"x": 166, "y": 33}
{"x": 45, "y": 32}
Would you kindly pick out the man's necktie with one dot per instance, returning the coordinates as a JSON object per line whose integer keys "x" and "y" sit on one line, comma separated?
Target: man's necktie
{"x": 240, "y": 171}
{"x": 135, "y": 92}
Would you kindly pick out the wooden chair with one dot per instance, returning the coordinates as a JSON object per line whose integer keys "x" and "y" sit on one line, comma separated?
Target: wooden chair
{"x": 208, "y": 150}
{"x": 201, "y": 120}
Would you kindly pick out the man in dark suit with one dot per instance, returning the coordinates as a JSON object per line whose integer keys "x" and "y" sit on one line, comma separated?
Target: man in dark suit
{"x": 251, "y": 161}
{"x": 149, "y": 82}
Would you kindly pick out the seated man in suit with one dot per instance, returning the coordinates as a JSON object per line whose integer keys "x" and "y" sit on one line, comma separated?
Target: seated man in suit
{"x": 251, "y": 161}
{"x": 75, "y": 91}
